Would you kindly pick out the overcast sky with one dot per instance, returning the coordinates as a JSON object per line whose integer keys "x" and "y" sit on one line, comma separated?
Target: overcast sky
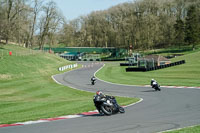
{"x": 72, "y": 9}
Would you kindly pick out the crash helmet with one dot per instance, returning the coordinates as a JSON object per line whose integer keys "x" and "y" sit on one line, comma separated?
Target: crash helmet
{"x": 99, "y": 93}
{"x": 152, "y": 80}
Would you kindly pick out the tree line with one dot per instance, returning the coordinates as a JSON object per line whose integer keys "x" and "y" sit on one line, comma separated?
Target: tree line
{"x": 30, "y": 22}
{"x": 141, "y": 24}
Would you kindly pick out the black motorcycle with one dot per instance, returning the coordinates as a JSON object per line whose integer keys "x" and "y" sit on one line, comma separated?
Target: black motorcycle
{"x": 107, "y": 105}
{"x": 93, "y": 82}
{"x": 156, "y": 87}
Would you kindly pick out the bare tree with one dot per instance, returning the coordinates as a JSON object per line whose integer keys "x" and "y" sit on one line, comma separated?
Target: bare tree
{"x": 13, "y": 9}
{"x": 49, "y": 22}
{"x": 35, "y": 10}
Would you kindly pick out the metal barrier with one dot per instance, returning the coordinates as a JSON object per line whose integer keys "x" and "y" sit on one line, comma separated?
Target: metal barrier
{"x": 71, "y": 66}
{"x": 143, "y": 69}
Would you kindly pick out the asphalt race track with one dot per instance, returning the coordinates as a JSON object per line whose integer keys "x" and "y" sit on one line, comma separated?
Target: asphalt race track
{"x": 168, "y": 109}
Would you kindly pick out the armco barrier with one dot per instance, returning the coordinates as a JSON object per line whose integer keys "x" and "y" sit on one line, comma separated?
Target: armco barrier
{"x": 156, "y": 67}
{"x": 127, "y": 64}
{"x": 67, "y": 67}
{"x": 136, "y": 69}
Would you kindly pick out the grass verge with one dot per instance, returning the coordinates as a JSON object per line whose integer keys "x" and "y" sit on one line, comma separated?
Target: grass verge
{"x": 195, "y": 129}
{"x": 29, "y": 93}
{"x": 183, "y": 75}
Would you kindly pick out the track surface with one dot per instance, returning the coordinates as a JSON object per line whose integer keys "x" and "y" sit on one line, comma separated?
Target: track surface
{"x": 169, "y": 109}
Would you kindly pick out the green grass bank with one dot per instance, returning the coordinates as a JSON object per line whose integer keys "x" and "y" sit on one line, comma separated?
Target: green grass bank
{"x": 183, "y": 75}
{"x": 195, "y": 129}
{"x": 29, "y": 93}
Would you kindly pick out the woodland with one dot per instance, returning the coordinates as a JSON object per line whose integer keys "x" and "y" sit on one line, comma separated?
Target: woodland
{"x": 141, "y": 24}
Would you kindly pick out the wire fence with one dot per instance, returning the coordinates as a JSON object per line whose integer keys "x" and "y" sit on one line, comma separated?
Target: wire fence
{"x": 7, "y": 53}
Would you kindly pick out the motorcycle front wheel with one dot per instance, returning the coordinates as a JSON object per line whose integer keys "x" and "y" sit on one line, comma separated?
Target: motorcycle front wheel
{"x": 106, "y": 109}
{"x": 157, "y": 89}
{"x": 121, "y": 110}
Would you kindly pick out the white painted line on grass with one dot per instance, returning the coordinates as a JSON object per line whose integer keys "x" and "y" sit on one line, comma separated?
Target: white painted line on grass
{"x": 141, "y": 99}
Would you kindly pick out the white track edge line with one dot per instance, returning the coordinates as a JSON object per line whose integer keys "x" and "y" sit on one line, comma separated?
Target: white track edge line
{"x": 182, "y": 87}
{"x": 177, "y": 129}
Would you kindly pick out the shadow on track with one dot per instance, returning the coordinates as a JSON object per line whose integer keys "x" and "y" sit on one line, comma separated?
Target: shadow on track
{"x": 149, "y": 91}
{"x": 100, "y": 115}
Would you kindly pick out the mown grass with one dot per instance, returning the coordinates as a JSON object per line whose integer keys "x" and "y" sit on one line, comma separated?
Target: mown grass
{"x": 27, "y": 91}
{"x": 172, "y": 50}
{"x": 182, "y": 75}
{"x": 195, "y": 129}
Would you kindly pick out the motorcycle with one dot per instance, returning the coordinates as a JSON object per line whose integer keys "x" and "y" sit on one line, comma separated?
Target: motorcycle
{"x": 93, "y": 82}
{"x": 107, "y": 105}
{"x": 156, "y": 86}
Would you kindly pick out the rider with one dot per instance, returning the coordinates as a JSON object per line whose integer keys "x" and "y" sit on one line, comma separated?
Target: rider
{"x": 99, "y": 96}
{"x": 153, "y": 82}
{"x": 93, "y": 78}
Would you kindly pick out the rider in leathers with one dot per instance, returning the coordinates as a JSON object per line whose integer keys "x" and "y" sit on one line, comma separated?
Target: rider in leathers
{"x": 101, "y": 97}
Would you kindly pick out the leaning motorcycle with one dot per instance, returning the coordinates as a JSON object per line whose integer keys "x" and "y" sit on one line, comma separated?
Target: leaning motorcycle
{"x": 93, "y": 82}
{"x": 156, "y": 87}
{"x": 107, "y": 105}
